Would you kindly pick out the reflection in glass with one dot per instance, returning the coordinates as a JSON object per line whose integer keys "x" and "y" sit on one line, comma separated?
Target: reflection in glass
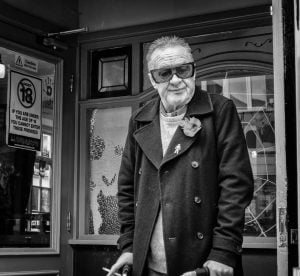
{"x": 46, "y": 182}
{"x": 110, "y": 72}
{"x": 25, "y": 176}
{"x": 46, "y": 145}
{"x": 46, "y": 177}
{"x": 253, "y": 95}
{"x": 35, "y": 180}
{"x": 35, "y": 199}
{"x": 113, "y": 73}
{"x": 45, "y": 200}
{"x": 238, "y": 91}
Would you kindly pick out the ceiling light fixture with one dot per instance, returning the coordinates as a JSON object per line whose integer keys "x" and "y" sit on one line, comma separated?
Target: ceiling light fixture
{"x": 2, "y": 69}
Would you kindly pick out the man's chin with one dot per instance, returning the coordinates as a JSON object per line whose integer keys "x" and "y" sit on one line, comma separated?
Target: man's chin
{"x": 178, "y": 102}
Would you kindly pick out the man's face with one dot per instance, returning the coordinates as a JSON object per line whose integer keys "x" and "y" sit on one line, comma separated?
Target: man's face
{"x": 176, "y": 92}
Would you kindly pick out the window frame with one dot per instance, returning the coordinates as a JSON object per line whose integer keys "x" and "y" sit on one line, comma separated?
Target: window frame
{"x": 81, "y": 236}
{"x": 201, "y": 73}
{"x": 97, "y": 55}
{"x": 54, "y": 248}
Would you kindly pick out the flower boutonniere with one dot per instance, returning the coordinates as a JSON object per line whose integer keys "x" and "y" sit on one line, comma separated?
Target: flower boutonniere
{"x": 190, "y": 126}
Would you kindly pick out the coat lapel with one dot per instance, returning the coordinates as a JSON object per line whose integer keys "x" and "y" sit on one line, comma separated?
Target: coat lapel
{"x": 178, "y": 145}
{"x": 200, "y": 105}
{"x": 148, "y": 136}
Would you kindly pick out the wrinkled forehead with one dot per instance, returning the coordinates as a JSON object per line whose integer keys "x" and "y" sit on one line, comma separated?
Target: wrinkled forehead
{"x": 169, "y": 57}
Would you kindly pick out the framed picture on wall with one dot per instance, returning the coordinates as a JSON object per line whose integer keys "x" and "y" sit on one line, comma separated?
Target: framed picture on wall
{"x": 111, "y": 72}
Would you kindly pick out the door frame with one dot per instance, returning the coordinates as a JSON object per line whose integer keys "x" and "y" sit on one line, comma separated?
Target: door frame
{"x": 297, "y": 82}
{"x": 287, "y": 102}
{"x": 23, "y": 261}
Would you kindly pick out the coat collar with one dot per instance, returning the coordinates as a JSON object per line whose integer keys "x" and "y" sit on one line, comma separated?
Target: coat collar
{"x": 149, "y": 137}
{"x": 199, "y": 105}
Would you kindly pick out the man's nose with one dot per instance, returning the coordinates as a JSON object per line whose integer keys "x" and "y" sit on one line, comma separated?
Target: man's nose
{"x": 175, "y": 79}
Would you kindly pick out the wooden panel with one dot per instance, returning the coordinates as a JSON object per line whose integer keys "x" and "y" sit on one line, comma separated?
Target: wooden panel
{"x": 259, "y": 262}
{"x": 31, "y": 273}
{"x": 99, "y": 15}
{"x": 60, "y": 13}
{"x": 89, "y": 260}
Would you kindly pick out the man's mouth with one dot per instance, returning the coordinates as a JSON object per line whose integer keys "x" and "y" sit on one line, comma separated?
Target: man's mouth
{"x": 176, "y": 90}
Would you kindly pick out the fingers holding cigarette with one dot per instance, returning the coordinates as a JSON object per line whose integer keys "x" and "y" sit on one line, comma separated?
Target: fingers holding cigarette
{"x": 108, "y": 270}
{"x": 125, "y": 258}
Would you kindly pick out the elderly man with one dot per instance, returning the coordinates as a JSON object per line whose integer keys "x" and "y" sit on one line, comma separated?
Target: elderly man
{"x": 185, "y": 178}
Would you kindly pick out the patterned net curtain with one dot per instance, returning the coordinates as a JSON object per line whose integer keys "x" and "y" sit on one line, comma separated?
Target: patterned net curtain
{"x": 107, "y": 134}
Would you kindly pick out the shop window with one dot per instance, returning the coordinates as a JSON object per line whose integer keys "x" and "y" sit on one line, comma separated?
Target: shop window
{"x": 105, "y": 106}
{"x": 107, "y": 130}
{"x": 252, "y": 92}
{"x": 29, "y": 156}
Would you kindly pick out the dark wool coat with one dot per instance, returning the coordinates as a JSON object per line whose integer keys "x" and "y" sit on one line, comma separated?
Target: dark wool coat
{"x": 203, "y": 189}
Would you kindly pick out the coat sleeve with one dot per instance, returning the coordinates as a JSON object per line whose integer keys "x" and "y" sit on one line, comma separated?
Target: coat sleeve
{"x": 235, "y": 181}
{"x": 126, "y": 192}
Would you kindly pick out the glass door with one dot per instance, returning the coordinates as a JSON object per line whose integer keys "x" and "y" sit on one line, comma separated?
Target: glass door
{"x": 29, "y": 155}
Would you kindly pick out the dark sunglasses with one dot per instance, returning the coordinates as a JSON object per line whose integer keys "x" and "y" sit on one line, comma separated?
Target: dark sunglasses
{"x": 182, "y": 71}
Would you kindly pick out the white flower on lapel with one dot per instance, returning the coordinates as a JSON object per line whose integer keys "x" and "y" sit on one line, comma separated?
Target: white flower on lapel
{"x": 177, "y": 149}
{"x": 190, "y": 126}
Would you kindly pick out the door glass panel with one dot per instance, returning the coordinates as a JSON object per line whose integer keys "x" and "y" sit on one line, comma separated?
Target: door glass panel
{"x": 107, "y": 130}
{"x": 238, "y": 91}
{"x": 253, "y": 94}
{"x": 26, "y": 173}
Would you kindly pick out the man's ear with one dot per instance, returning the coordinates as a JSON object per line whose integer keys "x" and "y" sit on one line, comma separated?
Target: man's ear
{"x": 154, "y": 84}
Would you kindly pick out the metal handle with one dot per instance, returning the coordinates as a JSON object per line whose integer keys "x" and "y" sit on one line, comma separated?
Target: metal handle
{"x": 126, "y": 271}
{"x": 203, "y": 271}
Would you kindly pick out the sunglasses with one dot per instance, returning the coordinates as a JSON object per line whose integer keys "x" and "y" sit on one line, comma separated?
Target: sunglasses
{"x": 182, "y": 71}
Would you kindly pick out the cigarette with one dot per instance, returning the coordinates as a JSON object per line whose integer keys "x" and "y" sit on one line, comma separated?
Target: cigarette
{"x": 108, "y": 270}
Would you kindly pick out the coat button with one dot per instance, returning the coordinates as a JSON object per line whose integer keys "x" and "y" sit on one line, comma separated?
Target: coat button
{"x": 239, "y": 249}
{"x": 200, "y": 236}
{"x": 140, "y": 171}
{"x": 197, "y": 199}
{"x": 195, "y": 164}
{"x": 136, "y": 204}
{"x": 168, "y": 204}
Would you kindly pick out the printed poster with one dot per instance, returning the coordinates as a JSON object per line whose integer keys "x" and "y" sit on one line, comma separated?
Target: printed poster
{"x": 25, "y": 111}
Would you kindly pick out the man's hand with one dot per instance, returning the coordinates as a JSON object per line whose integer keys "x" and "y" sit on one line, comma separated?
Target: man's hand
{"x": 215, "y": 269}
{"x": 190, "y": 273}
{"x": 218, "y": 269}
{"x": 125, "y": 258}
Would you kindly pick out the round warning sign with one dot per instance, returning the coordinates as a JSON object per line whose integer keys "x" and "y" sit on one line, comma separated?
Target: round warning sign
{"x": 26, "y": 93}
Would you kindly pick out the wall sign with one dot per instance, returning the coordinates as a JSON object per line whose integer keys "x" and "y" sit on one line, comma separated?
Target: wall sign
{"x": 25, "y": 107}
{"x": 27, "y": 63}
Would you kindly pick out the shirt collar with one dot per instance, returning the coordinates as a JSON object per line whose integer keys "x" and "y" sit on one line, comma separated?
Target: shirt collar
{"x": 175, "y": 113}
